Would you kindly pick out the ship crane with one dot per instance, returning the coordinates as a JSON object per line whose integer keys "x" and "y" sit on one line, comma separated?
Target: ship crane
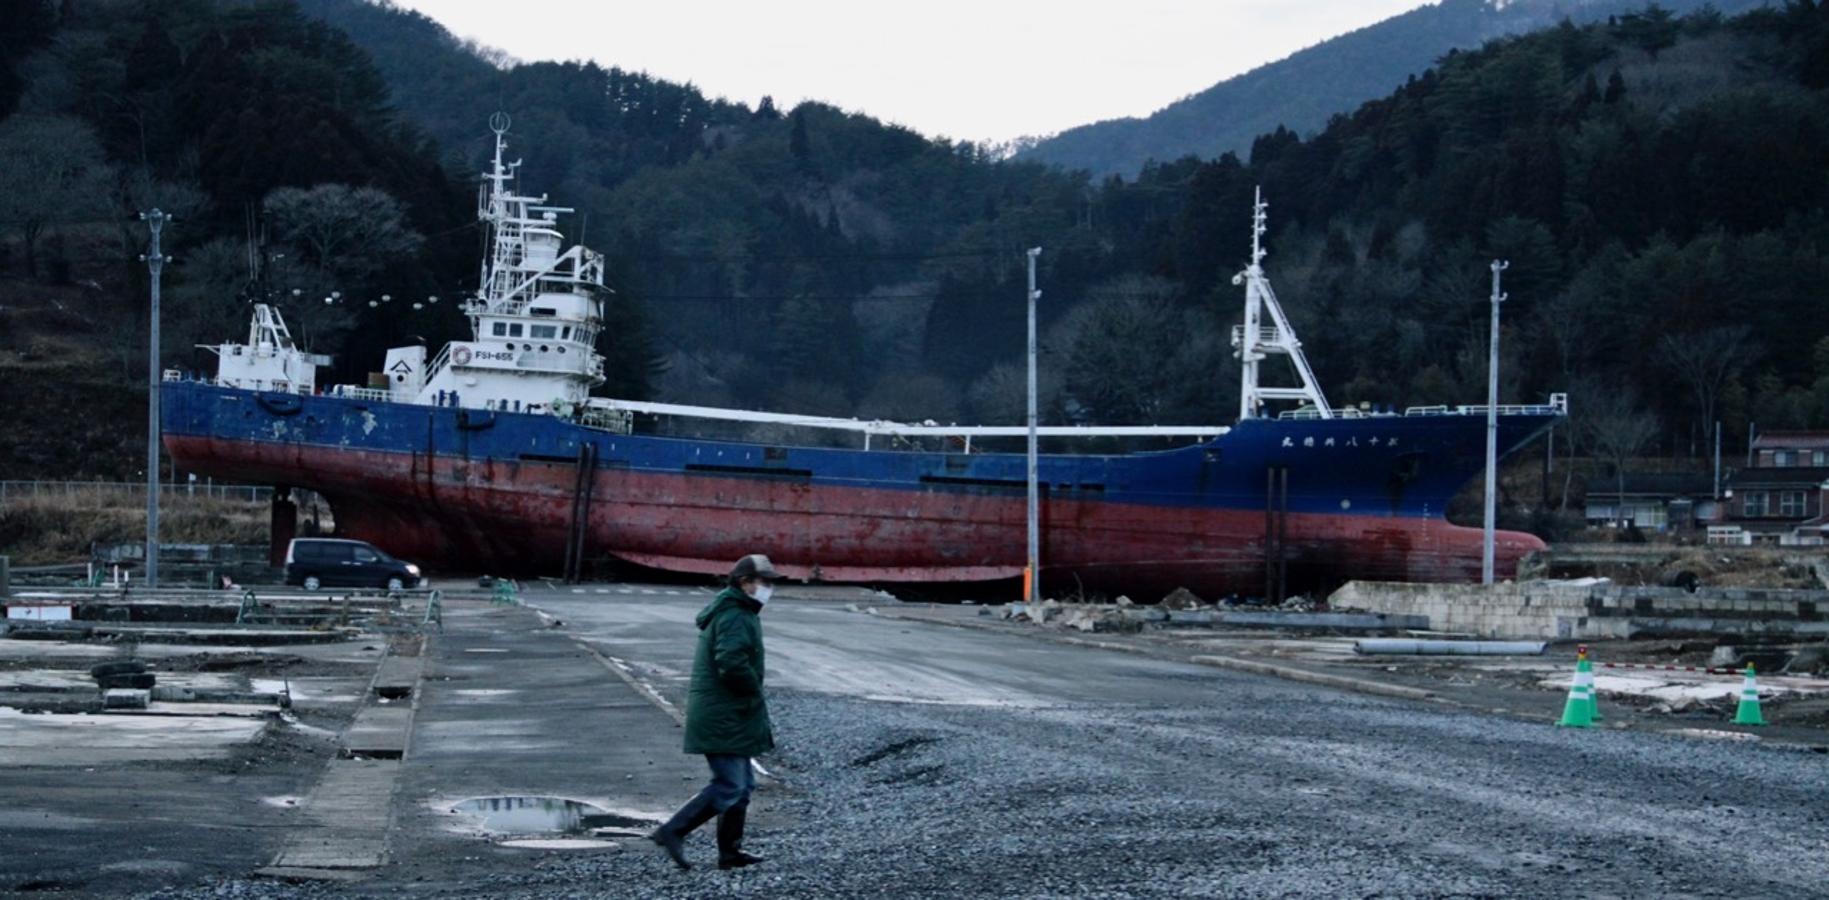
{"x": 1255, "y": 341}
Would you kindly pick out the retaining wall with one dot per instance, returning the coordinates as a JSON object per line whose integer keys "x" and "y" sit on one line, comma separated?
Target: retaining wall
{"x": 1553, "y": 610}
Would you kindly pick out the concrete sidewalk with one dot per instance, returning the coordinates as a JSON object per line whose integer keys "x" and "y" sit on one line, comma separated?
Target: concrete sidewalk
{"x": 512, "y": 706}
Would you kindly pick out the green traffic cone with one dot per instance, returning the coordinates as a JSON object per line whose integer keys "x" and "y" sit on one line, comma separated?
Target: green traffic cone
{"x": 1578, "y": 711}
{"x": 1748, "y": 713}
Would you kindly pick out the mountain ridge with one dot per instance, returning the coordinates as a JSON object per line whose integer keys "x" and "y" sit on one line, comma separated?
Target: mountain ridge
{"x": 1339, "y": 74}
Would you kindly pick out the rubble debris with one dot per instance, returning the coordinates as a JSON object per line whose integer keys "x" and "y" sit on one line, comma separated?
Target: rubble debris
{"x": 1811, "y": 660}
{"x": 1182, "y": 598}
{"x": 1298, "y": 604}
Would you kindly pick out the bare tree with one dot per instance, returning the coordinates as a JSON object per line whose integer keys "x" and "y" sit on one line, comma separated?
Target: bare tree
{"x": 349, "y": 232}
{"x": 1705, "y": 361}
{"x": 334, "y": 240}
{"x": 55, "y": 174}
{"x": 1131, "y": 356}
{"x": 1618, "y": 429}
{"x": 1001, "y": 395}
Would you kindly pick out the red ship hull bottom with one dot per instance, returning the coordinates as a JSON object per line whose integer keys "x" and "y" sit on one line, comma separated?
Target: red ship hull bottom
{"x": 512, "y": 517}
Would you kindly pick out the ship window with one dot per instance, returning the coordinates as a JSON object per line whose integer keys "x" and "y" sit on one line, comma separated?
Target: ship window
{"x": 567, "y": 335}
{"x": 501, "y": 328}
{"x": 514, "y": 330}
{"x": 561, "y": 349}
{"x": 542, "y": 331}
{"x": 545, "y": 348}
{"x": 542, "y": 311}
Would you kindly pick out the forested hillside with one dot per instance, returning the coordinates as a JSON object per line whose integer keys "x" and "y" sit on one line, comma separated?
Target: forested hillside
{"x": 1306, "y": 89}
{"x": 1656, "y": 182}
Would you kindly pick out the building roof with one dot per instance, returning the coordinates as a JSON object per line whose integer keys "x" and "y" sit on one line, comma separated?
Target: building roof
{"x": 1659, "y": 484}
{"x": 1792, "y": 440}
{"x": 1780, "y": 475}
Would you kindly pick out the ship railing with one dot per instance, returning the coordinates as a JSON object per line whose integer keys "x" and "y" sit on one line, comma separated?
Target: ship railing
{"x": 277, "y": 385}
{"x": 882, "y": 428}
{"x": 619, "y": 421}
{"x": 1341, "y": 412}
{"x": 1552, "y": 408}
{"x": 352, "y": 392}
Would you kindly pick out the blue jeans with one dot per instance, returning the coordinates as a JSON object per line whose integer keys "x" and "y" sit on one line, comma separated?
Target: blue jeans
{"x": 732, "y": 780}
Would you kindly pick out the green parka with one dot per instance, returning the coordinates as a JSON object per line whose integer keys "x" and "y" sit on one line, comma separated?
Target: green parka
{"x": 725, "y": 710}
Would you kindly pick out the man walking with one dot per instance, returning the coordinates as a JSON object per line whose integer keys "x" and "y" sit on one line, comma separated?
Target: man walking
{"x": 726, "y": 715}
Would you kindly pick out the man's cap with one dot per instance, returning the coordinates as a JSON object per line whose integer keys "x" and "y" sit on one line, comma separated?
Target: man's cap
{"x": 754, "y": 565}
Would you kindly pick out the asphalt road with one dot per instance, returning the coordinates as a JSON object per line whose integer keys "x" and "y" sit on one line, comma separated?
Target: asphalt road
{"x": 930, "y": 761}
{"x": 921, "y": 760}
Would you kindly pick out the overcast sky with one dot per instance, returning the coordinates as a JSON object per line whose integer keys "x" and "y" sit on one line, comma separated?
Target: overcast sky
{"x": 968, "y": 69}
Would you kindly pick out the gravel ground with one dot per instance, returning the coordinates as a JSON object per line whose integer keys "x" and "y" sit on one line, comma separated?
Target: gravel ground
{"x": 1264, "y": 791}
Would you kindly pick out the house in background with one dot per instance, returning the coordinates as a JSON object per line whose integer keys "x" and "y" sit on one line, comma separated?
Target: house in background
{"x": 1779, "y": 499}
{"x": 1652, "y": 502}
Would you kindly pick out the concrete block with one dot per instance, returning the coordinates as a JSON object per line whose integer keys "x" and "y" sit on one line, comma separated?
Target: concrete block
{"x": 125, "y": 698}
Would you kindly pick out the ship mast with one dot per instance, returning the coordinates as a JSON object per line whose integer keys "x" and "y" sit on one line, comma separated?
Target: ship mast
{"x": 1255, "y": 341}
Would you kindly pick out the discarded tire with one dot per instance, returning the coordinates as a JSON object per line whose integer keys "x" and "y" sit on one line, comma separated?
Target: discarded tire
{"x": 117, "y": 667}
{"x": 138, "y": 681}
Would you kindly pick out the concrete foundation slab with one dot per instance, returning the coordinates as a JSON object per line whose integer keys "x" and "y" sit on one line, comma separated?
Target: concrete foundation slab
{"x": 61, "y": 740}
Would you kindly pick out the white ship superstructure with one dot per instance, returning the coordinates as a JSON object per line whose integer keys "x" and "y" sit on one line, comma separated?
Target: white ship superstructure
{"x": 535, "y": 318}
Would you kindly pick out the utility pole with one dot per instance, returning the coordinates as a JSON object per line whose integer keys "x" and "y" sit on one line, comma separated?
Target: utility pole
{"x": 155, "y": 263}
{"x": 1032, "y": 572}
{"x": 1492, "y": 428}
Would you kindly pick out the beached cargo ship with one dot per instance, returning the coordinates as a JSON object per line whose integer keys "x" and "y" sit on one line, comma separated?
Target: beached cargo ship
{"x": 493, "y": 457}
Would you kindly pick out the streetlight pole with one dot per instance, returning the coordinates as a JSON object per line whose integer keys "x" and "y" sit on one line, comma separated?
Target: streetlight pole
{"x": 1032, "y": 572}
{"x": 155, "y": 263}
{"x": 1492, "y": 428}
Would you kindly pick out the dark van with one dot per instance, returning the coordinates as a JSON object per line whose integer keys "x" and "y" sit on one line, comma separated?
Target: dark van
{"x": 331, "y": 562}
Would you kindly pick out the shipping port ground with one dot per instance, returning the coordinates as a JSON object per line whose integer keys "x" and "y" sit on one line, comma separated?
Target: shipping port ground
{"x": 924, "y": 751}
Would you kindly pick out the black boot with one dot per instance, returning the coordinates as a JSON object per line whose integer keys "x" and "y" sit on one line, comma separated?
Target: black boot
{"x": 730, "y": 839}
{"x": 672, "y": 835}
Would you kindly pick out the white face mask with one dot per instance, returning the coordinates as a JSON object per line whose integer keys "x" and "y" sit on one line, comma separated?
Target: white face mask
{"x": 763, "y": 592}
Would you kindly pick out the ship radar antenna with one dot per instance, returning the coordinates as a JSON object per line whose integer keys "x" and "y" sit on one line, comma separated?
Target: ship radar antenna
{"x": 1260, "y": 218}
{"x": 1257, "y": 339}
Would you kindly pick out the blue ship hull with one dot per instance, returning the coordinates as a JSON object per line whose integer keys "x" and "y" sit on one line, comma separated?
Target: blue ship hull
{"x": 471, "y": 490}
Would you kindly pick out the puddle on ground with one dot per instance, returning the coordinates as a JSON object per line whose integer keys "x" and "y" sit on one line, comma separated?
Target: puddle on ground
{"x": 549, "y": 815}
{"x": 558, "y": 844}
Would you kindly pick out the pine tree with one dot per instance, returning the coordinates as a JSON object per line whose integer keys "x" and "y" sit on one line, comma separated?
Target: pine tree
{"x": 797, "y": 138}
{"x": 1616, "y": 88}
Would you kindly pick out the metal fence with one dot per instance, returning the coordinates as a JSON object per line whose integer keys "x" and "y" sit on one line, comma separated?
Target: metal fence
{"x": 96, "y": 491}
